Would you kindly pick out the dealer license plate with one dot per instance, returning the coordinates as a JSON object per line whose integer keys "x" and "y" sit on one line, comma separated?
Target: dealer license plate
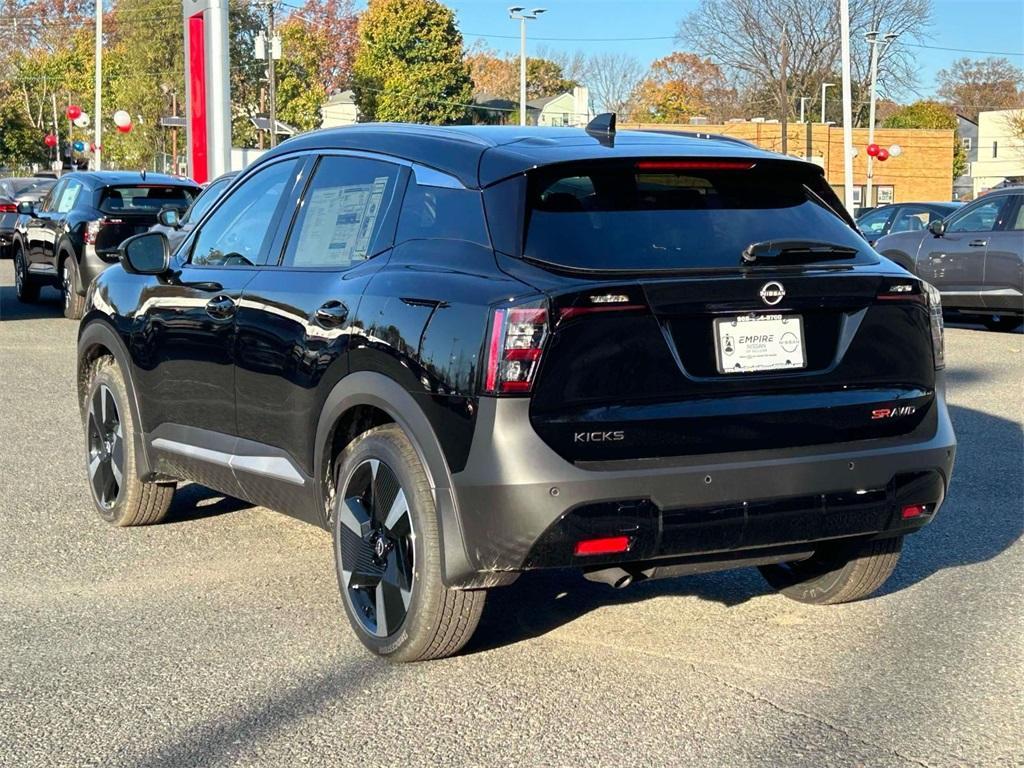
{"x": 750, "y": 343}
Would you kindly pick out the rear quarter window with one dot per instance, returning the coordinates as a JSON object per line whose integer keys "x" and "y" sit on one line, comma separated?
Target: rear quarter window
{"x": 145, "y": 198}
{"x": 442, "y": 213}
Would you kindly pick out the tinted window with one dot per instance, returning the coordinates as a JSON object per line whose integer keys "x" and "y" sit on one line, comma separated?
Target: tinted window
{"x": 51, "y": 200}
{"x": 144, "y": 198}
{"x": 984, "y": 217}
{"x": 873, "y": 224}
{"x": 235, "y": 232}
{"x": 441, "y": 212}
{"x": 912, "y": 219}
{"x": 665, "y": 215}
{"x": 1018, "y": 223}
{"x": 205, "y": 201}
{"x": 341, "y": 219}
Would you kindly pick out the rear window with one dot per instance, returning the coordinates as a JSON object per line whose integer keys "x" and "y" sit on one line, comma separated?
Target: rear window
{"x": 145, "y": 198}
{"x": 671, "y": 215}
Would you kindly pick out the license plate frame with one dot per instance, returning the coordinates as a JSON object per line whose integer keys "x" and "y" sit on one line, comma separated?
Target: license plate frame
{"x": 737, "y": 352}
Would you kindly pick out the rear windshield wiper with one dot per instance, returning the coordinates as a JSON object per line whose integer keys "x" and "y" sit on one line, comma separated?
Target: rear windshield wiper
{"x": 795, "y": 252}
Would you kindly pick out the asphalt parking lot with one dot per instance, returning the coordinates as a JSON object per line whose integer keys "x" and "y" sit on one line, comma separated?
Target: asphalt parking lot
{"x": 217, "y": 638}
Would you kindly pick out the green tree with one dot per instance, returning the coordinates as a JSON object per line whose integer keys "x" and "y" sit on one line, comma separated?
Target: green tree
{"x": 933, "y": 115}
{"x": 300, "y": 90}
{"x": 409, "y": 66}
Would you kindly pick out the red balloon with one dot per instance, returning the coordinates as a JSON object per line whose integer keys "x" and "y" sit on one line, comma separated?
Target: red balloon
{"x": 124, "y": 128}
{"x": 883, "y": 154}
{"x": 50, "y": 140}
{"x": 874, "y": 149}
{"x": 73, "y": 111}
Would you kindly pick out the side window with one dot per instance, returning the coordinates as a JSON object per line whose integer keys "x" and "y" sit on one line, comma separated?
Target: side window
{"x": 873, "y": 223}
{"x": 205, "y": 201}
{"x": 342, "y": 218}
{"x": 983, "y": 217}
{"x": 51, "y": 200}
{"x": 235, "y": 233}
{"x": 1018, "y": 223}
{"x": 442, "y": 213}
{"x": 67, "y": 198}
{"x": 911, "y": 219}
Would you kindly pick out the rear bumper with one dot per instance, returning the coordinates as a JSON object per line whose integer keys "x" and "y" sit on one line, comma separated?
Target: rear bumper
{"x": 89, "y": 268}
{"x": 522, "y": 506}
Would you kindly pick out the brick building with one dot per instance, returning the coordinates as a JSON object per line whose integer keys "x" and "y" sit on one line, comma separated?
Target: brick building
{"x": 923, "y": 172}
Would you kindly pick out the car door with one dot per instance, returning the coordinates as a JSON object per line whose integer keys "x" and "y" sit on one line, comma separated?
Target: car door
{"x": 955, "y": 262}
{"x": 183, "y": 339}
{"x": 38, "y": 229}
{"x": 1003, "y": 290}
{"x": 296, "y": 318}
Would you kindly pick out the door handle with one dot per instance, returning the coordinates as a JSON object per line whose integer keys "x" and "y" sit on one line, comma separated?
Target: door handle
{"x": 331, "y": 314}
{"x": 978, "y": 243}
{"x": 221, "y": 307}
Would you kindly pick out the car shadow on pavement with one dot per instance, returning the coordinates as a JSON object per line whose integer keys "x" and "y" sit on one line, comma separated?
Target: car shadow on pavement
{"x": 49, "y": 305}
{"x": 197, "y": 502}
{"x": 981, "y": 518}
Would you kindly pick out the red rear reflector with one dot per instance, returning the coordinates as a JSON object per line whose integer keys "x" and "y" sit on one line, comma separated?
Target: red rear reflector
{"x": 914, "y": 510}
{"x": 694, "y": 165}
{"x": 606, "y": 546}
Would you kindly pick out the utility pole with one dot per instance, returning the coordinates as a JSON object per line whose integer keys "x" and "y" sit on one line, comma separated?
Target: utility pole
{"x": 784, "y": 93}
{"x": 97, "y": 107}
{"x": 872, "y": 38}
{"x": 844, "y": 33}
{"x": 56, "y": 130}
{"x": 517, "y": 12}
{"x": 271, "y": 75}
{"x": 174, "y": 132}
{"x": 823, "y": 87}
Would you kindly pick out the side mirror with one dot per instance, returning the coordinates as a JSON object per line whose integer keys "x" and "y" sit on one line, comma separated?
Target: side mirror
{"x": 146, "y": 254}
{"x": 937, "y": 227}
{"x": 26, "y": 208}
{"x": 169, "y": 216}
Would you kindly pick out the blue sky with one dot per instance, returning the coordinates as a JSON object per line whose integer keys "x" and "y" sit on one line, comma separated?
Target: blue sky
{"x": 989, "y": 25}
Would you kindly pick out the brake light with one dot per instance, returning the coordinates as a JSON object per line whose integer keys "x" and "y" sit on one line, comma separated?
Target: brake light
{"x": 93, "y": 228}
{"x": 8, "y": 208}
{"x": 694, "y": 165}
{"x": 514, "y": 348}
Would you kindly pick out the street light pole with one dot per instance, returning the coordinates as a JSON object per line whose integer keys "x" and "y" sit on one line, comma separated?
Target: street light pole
{"x": 823, "y": 87}
{"x": 97, "y": 105}
{"x": 844, "y": 43}
{"x": 872, "y": 38}
{"x": 518, "y": 12}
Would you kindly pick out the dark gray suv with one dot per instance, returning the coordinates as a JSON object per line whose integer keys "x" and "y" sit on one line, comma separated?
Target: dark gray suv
{"x": 975, "y": 257}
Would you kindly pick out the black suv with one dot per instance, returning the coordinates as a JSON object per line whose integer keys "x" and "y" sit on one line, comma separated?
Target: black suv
{"x": 471, "y": 352}
{"x": 73, "y": 234}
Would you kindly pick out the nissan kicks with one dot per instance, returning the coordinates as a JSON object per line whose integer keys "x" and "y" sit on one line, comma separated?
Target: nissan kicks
{"x": 472, "y": 352}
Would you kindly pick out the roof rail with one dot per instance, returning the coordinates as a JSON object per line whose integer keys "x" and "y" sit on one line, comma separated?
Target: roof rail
{"x": 700, "y": 135}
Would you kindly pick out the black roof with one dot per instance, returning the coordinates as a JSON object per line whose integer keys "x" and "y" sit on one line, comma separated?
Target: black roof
{"x": 479, "y": 155}
{"x": 108, "y": 178}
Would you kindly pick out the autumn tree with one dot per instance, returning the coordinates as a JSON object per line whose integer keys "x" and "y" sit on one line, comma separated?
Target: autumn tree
{"x": 499, "y": 75}
{"x": 409, "y": 66}
{"x": 978, "y": 85}
{"x": 301, "y": 90}
{"x": 681, "y": 86}
{"x": 932, "y": 115}
{"x": 335, "y": 21}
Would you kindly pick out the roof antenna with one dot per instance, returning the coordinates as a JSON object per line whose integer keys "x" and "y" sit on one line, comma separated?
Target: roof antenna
{"x": 602, "y": 128}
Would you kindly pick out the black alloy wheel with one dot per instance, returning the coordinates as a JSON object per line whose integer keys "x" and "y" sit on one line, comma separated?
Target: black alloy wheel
{"x": 106, "y": 447}
{"x": 65, "y": 284}
{"x": 376, "y": 548}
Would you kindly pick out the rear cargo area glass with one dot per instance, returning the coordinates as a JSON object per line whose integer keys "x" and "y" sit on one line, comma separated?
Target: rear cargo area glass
{"x": 144, "y": 198}
{"x": 660, "y": 215}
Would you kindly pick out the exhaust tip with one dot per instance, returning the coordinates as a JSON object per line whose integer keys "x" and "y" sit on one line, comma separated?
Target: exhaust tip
{"x": 617, "y": 578}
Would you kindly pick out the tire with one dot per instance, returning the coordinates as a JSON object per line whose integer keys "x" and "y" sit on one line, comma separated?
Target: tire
{"x": 74, "y": 305}
{"x": 120, "y": 497}
{"x": 1002, "y": 322}
{"x": 837, "y": 573}
{"x": 25, "y": 288}
{"x": 388, "y": 554}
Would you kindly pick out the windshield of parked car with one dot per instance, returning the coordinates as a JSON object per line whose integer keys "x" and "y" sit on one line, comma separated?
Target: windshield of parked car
{"x": 674, "y": 214}
{"x": 145, "y": 198}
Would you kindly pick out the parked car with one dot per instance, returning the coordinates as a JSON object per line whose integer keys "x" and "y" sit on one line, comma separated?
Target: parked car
{"x": 975, "y": 257}
{"x": 470, "y": 352}
{"x": 902, "y": 217}
{"x": 73, "y": 234}
{"x": 176, "y": 225}
{"x": 14, "y": 190}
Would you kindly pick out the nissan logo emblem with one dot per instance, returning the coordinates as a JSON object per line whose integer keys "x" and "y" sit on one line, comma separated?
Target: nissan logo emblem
{"x": 772, "y": 293}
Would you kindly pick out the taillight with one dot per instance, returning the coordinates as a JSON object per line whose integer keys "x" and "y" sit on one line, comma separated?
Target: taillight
{"x": 935, "y": 318}
{"x": 8, "y": 208}
{"x": 92, "y": 229}
{"x": 514, "y": 348}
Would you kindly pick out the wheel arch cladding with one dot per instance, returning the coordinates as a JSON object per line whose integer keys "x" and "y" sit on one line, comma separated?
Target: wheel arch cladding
{"x": 95, "y": 340}
{"x": 371, "y": 398}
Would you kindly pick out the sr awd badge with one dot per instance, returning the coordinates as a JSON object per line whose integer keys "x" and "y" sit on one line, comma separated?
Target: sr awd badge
{"x": 772, "y": 293}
